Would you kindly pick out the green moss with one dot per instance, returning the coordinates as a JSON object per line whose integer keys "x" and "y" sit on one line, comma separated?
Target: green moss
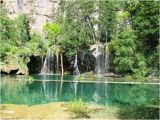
{"x": 87, "y": 76}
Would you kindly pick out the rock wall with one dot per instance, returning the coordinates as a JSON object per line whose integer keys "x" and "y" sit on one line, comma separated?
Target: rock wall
{"x": 39, "y": 11}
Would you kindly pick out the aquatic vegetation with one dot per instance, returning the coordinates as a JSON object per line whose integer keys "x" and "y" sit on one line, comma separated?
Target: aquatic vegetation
{"x": 134, "y": 78}
{"x": 79, "y": 108}
{"x": 138, "y": 112}
{"x": 87, "y": 76}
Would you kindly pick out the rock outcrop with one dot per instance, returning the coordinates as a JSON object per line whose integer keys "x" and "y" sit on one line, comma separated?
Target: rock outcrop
{"x": 39, "y": 11}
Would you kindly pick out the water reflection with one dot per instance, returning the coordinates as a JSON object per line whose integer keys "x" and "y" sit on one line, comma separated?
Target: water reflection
{"x": 18, "y": 91}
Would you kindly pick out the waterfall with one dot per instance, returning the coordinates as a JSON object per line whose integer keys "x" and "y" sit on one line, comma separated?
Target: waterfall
{"x": 20, "y": 4}
{"x": 76, "y": 70}
{"x": 49, "y": 68}
{"x": 48, "y": 63}
{"x": 51, "y": 62}
{"x": 82, "y": 55}
{"x": 106, "y": 54}
{"x": 76, "y": 73}
{"x": 106, "y": 58}
{"x": 101, "y": 54}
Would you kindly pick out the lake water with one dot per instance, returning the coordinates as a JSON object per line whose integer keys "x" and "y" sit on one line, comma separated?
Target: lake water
{"x": 42, "y": 89}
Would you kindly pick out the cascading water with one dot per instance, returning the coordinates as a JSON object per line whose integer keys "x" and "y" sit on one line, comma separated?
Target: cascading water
{"x": 46, "y": 69}
{"x": 76, "y": 70}
{"x": 51, "y": 62}
{"x": 99, "y": 54}
{"x": 20, "y": 4}
{"x": 47, "y": 65}
{"x": 76, "y": 74}
{"x": 106, "y": 58}
{"x": 50, "y": 66}
{"x": 82, "y": 55}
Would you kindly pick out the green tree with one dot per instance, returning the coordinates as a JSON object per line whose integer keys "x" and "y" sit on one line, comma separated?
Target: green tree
{"x": 145, "y": 21}
{"x": 7, "y": 33}
{"x": 52, "y": 30}
{"x": 127, "y": 59}
{"x": 22, "y": 33}
{"x": 107, "y": 11}
{"x": 77, "y": 31}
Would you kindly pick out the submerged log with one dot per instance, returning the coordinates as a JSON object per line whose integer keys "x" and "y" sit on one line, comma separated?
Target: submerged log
{"x": 112, "y": 75}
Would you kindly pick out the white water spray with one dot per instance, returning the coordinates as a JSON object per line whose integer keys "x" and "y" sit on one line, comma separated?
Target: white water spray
{"x": 51, "y": 62}
{"x": 99, "y": 54}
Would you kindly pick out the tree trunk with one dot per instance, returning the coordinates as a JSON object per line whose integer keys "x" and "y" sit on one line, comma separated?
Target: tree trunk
{"x": 62, "y": 72}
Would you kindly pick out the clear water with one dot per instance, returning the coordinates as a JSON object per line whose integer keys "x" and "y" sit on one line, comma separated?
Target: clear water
{"x": 23, "y": 90}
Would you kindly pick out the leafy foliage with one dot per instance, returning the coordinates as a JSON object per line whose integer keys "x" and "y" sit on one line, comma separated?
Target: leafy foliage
{"x": 76, "y": 31}
{"x": 107, "y": 19}
{"x": 52, "y": 30}
{"x": 145, "y": 21}
{"x": 18, "y": 43}
{"x": 127, "y": 60}
{"x": 7, "y": 33}
{"x": 36, "y": 45}
{"x": 22, "y": 34}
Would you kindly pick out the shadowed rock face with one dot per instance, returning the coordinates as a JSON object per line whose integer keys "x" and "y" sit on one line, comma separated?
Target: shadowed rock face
{"x": 39, "y": 11}
{"x": 35, "y": 65}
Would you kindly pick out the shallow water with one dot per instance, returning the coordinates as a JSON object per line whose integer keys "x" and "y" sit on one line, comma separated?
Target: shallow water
{"x": 14, "y": 90}
{"x": 35, "y": 90}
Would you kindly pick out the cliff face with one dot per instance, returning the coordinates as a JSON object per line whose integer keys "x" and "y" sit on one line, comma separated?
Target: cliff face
{"x": 39, "y": 11}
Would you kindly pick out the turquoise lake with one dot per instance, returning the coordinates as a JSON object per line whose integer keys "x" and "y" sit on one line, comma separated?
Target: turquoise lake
{"x": 50, "y": 88}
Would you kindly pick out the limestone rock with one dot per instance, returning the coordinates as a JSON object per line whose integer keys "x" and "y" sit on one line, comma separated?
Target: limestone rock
{"x": 21, "y": 72}
{"x": 39, "y": 11}
{"x": 8, "y": 68}
{"x": 14, "y": 69}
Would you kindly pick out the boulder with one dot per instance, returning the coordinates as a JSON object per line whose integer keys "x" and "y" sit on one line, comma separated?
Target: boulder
{"x": 13, "y": 69}
{"x": 8, "y": 68}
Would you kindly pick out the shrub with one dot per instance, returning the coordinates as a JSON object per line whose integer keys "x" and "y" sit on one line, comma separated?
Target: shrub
{"x": 79, "y": 108}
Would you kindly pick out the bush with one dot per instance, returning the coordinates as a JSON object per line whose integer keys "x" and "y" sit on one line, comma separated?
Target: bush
{"x": 79, "y": 108}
